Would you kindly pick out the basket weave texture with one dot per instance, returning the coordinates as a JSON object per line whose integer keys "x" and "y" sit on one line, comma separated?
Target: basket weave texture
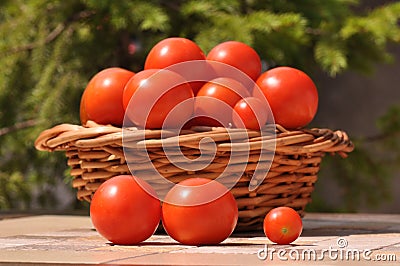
{"x": 96, "y": 153}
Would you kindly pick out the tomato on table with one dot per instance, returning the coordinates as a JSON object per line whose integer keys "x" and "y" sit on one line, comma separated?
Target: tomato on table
{"x": 199, "y": 211}
{"x": 291, "y": 94}
{"x": 102, "y": 99}
{"x": 282, "y": 225}
{"x": 125, "y": 210}
{"x": 239, "y": 55}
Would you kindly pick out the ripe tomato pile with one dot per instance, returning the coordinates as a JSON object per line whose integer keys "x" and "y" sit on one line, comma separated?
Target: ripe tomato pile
{"x": 180, "y": 86}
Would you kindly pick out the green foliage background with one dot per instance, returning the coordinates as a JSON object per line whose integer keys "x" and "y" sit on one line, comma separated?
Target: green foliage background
{"x": 49, "y": 49}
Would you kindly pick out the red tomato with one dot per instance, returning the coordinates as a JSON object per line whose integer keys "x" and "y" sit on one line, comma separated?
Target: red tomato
{"x": 175, "y": 50}
{"x": 103, "y": 97}
{"x": 199, "y": 211}
{"x": 82, "y": 111}
{"x": 282, "y": 225}
{"x": 171, "y": 51}
{"x": 250, "y": 113}
{"x": 215, "y": 101}
{"x": 156, "y": 98}
{"x": 125, "y": 210}
{"x": 239, "y": 55}
{"x": 291, "y": 94}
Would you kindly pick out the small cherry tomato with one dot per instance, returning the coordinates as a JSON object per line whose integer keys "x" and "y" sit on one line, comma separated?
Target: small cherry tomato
{"x": 291, "y": 94}
{"x": 199, "y": 211}
{"x": 250, "y": 113}
{"x": 282, "y": 225}
{"x": 239, "y": 55}
{"x": 157, "y": 98}
{"x": 102, "y": 98}
{"x": 125, "y": 210}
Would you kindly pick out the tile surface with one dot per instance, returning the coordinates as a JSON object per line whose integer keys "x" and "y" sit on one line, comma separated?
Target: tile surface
{"x": 327, "y": 239}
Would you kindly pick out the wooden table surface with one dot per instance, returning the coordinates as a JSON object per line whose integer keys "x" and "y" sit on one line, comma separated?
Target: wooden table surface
{"x": 327, "y": 239}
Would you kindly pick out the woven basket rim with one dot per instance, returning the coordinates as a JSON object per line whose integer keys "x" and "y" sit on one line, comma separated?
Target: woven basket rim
{"x": 299, "y": 141}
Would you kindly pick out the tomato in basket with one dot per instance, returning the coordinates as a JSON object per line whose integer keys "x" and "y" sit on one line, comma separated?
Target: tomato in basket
{"x": 291, "y": 94}
{"x": 125, "y": 210}
{"x": 199, "y": 211}
{"x": 172, "y": 51}
{"x": 250, "y": 113}
{"x": 239, "y": 55}
{"x": 102, "y": 99}
{"x": 215, "y": 101}
{"x": 158, "y": 98}
{"x": 282, "y": 225}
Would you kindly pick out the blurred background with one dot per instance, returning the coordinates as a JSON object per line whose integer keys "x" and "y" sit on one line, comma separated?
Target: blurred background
{"x": 50, "y": 49}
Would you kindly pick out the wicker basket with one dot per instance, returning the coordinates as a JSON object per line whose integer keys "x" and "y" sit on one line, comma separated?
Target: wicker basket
{"x": 96, "y": 153}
